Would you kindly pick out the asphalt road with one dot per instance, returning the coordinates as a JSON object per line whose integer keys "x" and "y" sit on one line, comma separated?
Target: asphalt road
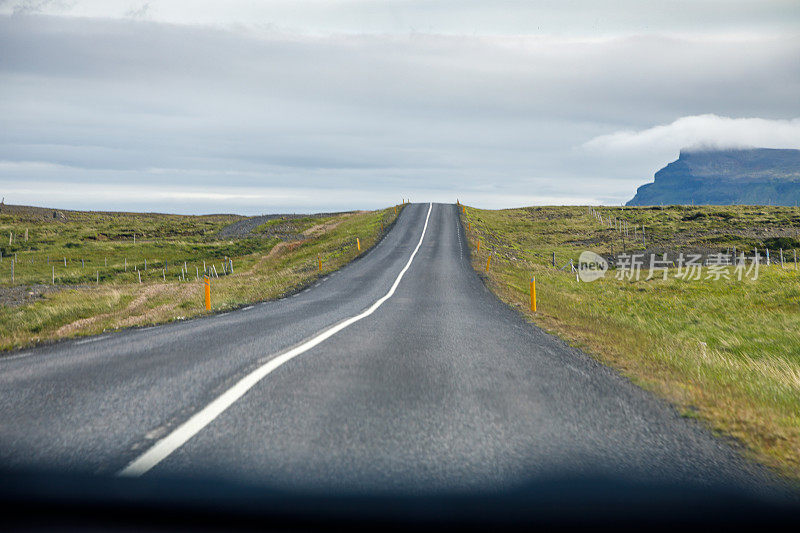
{"x": 440, "y": 387}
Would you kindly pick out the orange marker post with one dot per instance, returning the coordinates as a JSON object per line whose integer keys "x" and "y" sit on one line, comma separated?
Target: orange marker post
{"x": 533, "y": 293}
{"x": 207, "y": 283}
{"x": 319, "y": 260}
{"x": 488, "y": 261}
{"x": 479, "y": 245}
{"x": 358, "y": 243}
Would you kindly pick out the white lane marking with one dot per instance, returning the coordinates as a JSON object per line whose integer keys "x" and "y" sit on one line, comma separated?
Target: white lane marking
{"x": 94, "y": 339}
{"x": 163, "y": 448}
{"x": 246, "y": 308}
{"x": 18, "y": 356}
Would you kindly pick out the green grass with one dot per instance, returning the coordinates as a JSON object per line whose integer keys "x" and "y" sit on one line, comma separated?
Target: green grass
{"x": 726, "y": 352}
{"x": 265, "y": 267}
{"x": 91, "y": 245}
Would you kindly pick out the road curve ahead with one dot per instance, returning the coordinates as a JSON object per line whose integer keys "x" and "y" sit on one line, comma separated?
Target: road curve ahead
{"x": 401, "y": 372}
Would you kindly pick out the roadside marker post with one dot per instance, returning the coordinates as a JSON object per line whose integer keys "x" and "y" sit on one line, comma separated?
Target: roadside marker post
{"x": 488, "y": 262}
{"x": 479, "y": 245}
{"x": 533, "y": 293}
{"x": 358, "y": 244}
{"x": 207, "y": 283}
{"x": 319, "y": 261}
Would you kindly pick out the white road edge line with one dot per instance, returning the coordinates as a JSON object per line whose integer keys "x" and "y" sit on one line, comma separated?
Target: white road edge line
{"x": 93, "y": 339}
{"x": 178, "y": 437}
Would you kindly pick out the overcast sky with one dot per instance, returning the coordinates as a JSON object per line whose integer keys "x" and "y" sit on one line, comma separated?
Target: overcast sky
{"x": 312, "y": 105}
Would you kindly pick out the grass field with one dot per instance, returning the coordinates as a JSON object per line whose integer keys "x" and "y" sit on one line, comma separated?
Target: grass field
{"x": 80, "y": 273}
{"x": 724, "y": 351}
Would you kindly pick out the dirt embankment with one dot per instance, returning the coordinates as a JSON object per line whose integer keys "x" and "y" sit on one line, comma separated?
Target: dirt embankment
{"x": 44, "y": 214}
{"x": 244, "y": 228}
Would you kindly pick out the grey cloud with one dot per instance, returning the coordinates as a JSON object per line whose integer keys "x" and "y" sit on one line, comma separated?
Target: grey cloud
{"x": 139, "y": 11}
{"x": 491, "y": 115}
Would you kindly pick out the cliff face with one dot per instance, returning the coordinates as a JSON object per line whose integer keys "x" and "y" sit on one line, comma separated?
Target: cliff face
{"x": 722, "y": 177}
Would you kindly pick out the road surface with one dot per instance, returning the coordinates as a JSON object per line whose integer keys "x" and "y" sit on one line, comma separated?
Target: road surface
{"x": 427, "y": 383}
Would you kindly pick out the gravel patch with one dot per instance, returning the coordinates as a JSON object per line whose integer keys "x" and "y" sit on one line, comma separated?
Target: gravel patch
{"x": 25, "y": 294}
{"x": 244, "y": 228}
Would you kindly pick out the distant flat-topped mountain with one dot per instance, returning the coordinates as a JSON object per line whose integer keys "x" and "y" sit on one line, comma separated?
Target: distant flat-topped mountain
{"x": 757, "y": 176}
